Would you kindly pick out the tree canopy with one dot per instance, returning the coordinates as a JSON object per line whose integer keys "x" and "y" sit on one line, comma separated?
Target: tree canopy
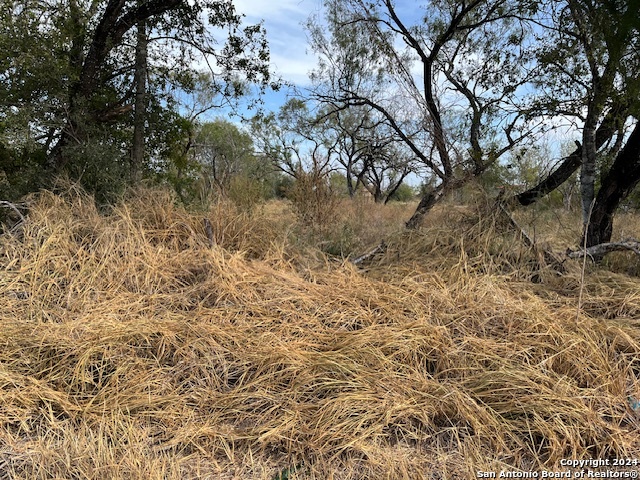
{"x": 69, "y": 81}
{"x": 111, "y": 91}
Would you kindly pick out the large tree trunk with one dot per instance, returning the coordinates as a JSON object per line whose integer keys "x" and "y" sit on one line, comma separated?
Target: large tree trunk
{"x": 108, "y": 34}
{"x": 140, "y": 80}
{"x": 616, "y": 186}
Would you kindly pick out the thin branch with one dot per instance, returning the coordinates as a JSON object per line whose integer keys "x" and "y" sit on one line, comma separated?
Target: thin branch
{"x": 11, "y": 206}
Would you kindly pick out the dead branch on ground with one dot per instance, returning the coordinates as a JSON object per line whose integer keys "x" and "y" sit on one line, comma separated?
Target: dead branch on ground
{"x": 599, "y": 251}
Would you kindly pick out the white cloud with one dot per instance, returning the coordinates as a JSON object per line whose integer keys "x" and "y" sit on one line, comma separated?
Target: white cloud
{"x": 264, "y": 9}
{"x": 284, "y": 21}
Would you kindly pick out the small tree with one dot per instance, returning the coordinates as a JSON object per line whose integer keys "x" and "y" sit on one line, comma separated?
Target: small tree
{"x": 224, "y": 151}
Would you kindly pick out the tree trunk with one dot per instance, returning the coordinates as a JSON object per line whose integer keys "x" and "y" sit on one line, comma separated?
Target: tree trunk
{"x": 378, "y": 196}
{"x": 616, "y": 186}
{"x": 571, "y": 163}
{"x": 588, "y": 167}
{"x": 350, "y": 186}
{"x": 427, "y": 202}
{"x": 140, "y": 80}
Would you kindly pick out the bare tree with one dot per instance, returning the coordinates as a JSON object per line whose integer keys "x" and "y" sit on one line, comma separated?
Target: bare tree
{"x": 449, "y": 86}
{"x": 343, "y": 132}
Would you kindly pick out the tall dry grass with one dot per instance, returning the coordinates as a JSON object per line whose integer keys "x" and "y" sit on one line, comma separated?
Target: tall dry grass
{"x": 133, "y": 349}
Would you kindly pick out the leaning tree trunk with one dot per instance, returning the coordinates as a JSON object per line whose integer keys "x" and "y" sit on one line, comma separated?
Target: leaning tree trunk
{"x": 391, "y": 191}
{"x": 616, "y": 186}
{"x": 427, "y": 202}
{"x": 568, "y": 167}
{"x": 571, "y": 163}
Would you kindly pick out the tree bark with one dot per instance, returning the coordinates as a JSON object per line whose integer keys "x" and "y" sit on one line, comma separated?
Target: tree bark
{"x": 140, "y": 80}
{"x": 588, "y": 166}
{"x": 618, "y": 183}
{"x": 572, "y": 162}
{"x": 427, "y": 202}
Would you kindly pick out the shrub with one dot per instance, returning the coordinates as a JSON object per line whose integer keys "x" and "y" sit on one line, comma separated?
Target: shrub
{"x": 404, "y": 193}
{"x": 313, "y": 199}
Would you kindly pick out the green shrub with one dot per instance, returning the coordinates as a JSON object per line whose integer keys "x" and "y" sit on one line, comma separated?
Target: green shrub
{"x": 404, "y": 193}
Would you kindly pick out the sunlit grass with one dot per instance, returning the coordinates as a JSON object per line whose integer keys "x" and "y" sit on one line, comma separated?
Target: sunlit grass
{"x": 136, "y": 347}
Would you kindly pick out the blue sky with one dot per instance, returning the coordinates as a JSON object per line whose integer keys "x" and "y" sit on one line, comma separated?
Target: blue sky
{"x": 291, "y": 57}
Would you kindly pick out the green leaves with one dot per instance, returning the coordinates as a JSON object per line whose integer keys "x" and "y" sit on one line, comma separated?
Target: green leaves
{"x": 66, "y": 76}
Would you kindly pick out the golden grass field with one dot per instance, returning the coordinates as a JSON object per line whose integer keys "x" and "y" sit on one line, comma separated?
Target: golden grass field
{"x": 132, "y": 347}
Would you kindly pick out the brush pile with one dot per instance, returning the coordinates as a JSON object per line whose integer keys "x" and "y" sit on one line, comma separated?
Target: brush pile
{"x": 132, "y": 348}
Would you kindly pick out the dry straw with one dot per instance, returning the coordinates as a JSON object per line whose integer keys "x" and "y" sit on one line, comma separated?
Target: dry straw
{"x": 131, "y": 348}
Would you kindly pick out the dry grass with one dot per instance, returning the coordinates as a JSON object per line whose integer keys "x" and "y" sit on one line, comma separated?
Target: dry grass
{"x": 132, "y": 349}
{"x": 353, "y": 226}
{"x": 560, "y": 229}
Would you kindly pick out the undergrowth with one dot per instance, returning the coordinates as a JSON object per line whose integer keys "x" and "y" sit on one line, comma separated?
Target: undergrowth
{"x": 138, "y": 345}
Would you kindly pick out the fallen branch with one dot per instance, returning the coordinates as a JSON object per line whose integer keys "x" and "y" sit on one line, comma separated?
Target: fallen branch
{"x": 549, "y": 257}
{"x": 381, "y": 248}
{"x": 599, "y": 251}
